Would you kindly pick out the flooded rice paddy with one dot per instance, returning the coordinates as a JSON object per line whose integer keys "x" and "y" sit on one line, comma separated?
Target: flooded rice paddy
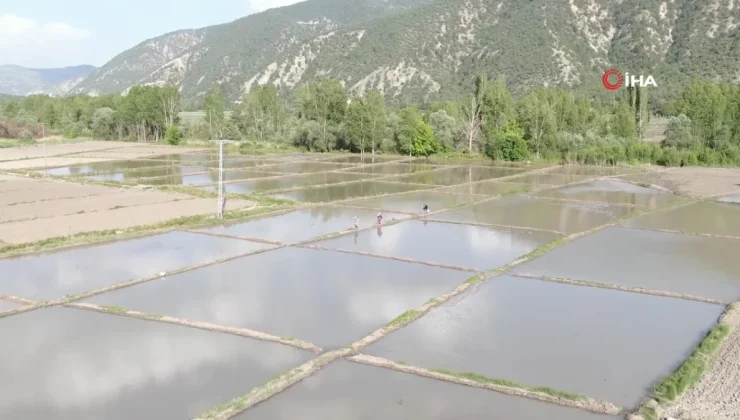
{"x": 538, "y": 213}
{"x": 218, "y": 302}
{"x": 692, "y": 265}
{"x": 329, "y": 299}
{"x": 346, "y": 390}
{"x": 8, "y": 306}
{"x": 706, "y": 217}
{"x": 409, "y": 202}
{"x": 72, "y": 364}
{"x": 475, "y": 247}
{"x": 602, "y": 343}
{"x": 57, "y": 274}
{"x": 301, "y": 225}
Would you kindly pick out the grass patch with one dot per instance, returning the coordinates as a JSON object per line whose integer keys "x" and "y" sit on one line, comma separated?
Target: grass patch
{"x": 689, "y": 373}
{"x": 114, "y": 309}
{"x": 511, "y": 384}
{"x": 404, "y": 318}
{"x": 106, "y": 235}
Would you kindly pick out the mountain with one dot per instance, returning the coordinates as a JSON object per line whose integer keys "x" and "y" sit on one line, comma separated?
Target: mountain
{"x": 417, "y": 49}
{"x": 22, "y": 81}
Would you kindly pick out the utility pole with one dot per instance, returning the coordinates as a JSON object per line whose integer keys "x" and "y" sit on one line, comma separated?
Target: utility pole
{"x": 221, "y": 199}
{"x": 43, "y": 138}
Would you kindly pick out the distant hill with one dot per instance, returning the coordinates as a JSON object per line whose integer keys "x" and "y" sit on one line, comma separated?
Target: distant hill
{"x": 417, "y": 49}
{"x": 22, "y": 81}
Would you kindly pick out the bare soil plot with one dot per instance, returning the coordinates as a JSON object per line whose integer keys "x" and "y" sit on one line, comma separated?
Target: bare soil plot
{"x": 716, "y": 396}
{"x": 37, "y": 150}
{"x": 75, "y": 364}
{"x": 694, "y": 182}
{"x": 123, "y": 218}
{"x": 24, "y": 190}
{"x": 87, "y": 204}
{"x": 346, "y": 390}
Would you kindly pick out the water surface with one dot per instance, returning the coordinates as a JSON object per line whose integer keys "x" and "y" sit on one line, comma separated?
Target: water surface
{"x": 347, "y": 390}
{"x": 608, "y": 191}
{"x": 706, "y": 217}
{"x": 561, "y": 216}
{"x": 345, "y": 191}
{"x": 693, "y": 265}
{"x": 414, "y": 201}
{"x": 72, "y": 364}
{"x": 458, "y": 175}
{"x": 328, "y": 298}
{"x": 8, "y": 306}
{"x": 595, "y": 342}
{"x": 69, "y": 272}
{"x": 476, "y": 247}
{"x": 491, "y": 188}
{"x": 302, "y": 224}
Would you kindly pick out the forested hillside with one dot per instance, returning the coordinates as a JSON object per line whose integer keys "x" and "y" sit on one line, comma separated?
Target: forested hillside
{"x": 414, "y": 50}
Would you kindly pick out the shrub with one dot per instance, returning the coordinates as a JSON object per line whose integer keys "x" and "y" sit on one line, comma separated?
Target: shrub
{"x": 173, "y": 135}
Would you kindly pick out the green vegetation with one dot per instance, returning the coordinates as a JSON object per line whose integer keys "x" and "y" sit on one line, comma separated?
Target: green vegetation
{"x": 103, "y": 236}
{"x": 113, "y": 309}
{"x": 492, "y": 119}
{"x": 404, "y": 318}
{"x": 689, "y": 373}
{"x": 510, "y": 384}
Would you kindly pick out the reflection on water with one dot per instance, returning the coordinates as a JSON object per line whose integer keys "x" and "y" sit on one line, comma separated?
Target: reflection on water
{"x": 302, "y": 224}
{"x": 693, "y": 265}
{"x": 294, "y": 293}
{"x": 572, "y": 338}
{"x": 567, "y": 217}
{"x": 346, "y": 390}
{"x": 467, "y": 246}
{"x": 71, "y": 364}
{"x": 54, "y": 275}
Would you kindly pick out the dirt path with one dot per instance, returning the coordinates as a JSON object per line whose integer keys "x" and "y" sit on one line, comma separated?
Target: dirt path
{"x": 717, "y": 395}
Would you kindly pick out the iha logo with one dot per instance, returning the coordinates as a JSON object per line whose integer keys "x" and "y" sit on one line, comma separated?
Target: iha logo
{"x": 613, "y": 80}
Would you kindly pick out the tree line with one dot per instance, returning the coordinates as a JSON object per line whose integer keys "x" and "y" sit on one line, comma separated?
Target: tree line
{"x": 544, "y": 123}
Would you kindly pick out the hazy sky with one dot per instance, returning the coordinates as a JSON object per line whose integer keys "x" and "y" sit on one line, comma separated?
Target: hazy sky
{"x": 57, "y": 33}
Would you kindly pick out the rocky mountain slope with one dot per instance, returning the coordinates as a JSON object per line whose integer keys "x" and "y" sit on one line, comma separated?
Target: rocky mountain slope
{"x": 21, "y": 81}
{"x": 415, "y": 49}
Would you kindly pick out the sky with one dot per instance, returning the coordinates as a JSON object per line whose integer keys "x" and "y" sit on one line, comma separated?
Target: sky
{"x": 59, "y": 33}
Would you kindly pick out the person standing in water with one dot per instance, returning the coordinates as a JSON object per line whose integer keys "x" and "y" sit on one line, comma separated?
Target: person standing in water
{"x": 425, "y": 209}
{"x": 380, "y": 219}
{"x": 357, "y": 223}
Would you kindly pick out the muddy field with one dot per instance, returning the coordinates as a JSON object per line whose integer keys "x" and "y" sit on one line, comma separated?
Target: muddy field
{"x": 506, "y": 300}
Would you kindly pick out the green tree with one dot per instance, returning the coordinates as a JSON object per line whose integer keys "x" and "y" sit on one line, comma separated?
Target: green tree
{"x": 213, "y": 105}
{"x": 424, "y": 143}
{"x": 104, "y": 123}
{"x": 324, "y": 101}
{"x": 537, "y": 118}
{"x": 446, "y": 129}
{"x": 173, "y": 135}
{"x": 508, "y": 144}
{"x": 261, "y": 114}
{"x": 405, "y": 129}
